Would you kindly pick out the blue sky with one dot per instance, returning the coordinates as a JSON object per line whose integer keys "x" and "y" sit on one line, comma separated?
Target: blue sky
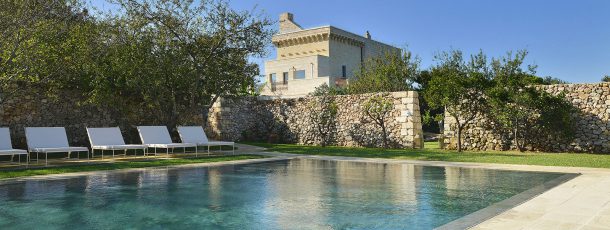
{"x": 566, "y": 39}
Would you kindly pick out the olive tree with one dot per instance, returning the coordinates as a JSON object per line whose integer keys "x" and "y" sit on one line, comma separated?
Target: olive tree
{"x": 520, "y": 109}
{"x": 177, "y": 57}
{"x": 40, "y": 41}
{"x": 377, "y": 109}
{"x": 390, "y": 72}
{"x": 459, "y": 87}
{"x": 322, "y": 112}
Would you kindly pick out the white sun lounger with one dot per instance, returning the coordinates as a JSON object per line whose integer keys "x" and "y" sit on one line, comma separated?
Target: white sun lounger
{"x": 50, "y": 140}
{"x": 6, "y": 147}
{"x": 158, "y": 137}
{"x": 109, "y": 139}
{"x": 195, "y": 134}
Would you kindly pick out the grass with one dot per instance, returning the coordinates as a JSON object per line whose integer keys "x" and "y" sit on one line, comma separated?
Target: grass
{"x": 432, "y": 152}
{"x": 120, "y": 165}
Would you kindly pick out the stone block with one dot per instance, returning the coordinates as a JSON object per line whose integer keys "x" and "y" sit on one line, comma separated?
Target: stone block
{"x": 408, "y": 100}
{"x": 413, "y": 94}
{"x": 400, "y": 94}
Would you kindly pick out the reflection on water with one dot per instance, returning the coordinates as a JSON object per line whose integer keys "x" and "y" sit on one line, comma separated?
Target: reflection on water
{"x": 294, "y": 194}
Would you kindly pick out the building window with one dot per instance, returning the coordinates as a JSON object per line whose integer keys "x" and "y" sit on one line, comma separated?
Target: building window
{"x": 272, "y": 78}
{"x": 285, "y": 77}
{"x": 299, "y": 74}
{"x": 343, "y": 71}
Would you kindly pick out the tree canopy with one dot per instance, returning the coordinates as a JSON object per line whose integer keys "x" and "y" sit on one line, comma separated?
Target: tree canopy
{"x": 458, "y": 86}
{"x": 173, "y": 58}
{"x": 42, "y": 41}
{"x": 520, "y": 109}
{"x": 502, "y": 90}
{"x": 390, "y": 72}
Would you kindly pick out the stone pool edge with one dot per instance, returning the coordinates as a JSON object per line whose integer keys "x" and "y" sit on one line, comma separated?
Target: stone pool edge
{"x": 489, "y": 212}
{"x": 89, "y": 173}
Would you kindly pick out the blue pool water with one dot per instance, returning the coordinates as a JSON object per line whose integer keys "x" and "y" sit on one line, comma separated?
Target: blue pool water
{"x": 290, "y": 194}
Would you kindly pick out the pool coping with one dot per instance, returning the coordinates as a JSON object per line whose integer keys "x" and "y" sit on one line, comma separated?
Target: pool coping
{"x": 60, "y": 176}
{"x": 482, "y": 215}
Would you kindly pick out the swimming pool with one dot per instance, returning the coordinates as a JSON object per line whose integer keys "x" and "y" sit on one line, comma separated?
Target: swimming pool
{"x": 286, "y": 194}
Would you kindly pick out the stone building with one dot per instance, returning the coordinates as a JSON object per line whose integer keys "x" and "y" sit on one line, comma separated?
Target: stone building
{"x": 308, "y": 58}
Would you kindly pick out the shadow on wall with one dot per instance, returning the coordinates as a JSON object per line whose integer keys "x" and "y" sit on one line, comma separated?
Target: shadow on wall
{"x": 591, "y": 121}
{"x": 271, "y": 128}
{"x": 66, "y": 110}
{"x": 367, "y": 136}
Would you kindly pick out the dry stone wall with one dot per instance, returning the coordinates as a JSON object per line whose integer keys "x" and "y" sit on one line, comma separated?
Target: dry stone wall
{"x": 592, "y": 124}
{"x": 287, "y": 121}
{"x": 247, "y": 118}
{"x": 34, "y": 109}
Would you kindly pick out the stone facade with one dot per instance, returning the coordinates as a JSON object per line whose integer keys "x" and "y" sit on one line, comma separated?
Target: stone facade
{"x": 592, "y": 124}
{"x": 287, "y": 121}
{"x": 308, "y": 58}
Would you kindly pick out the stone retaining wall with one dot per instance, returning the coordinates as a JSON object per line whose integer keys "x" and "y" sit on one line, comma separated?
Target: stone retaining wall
{"x": 33, "y": 109}
{"x": 592, "y": 124}
{"x": 287, "y": 121}
{"x": 238, "y": 119}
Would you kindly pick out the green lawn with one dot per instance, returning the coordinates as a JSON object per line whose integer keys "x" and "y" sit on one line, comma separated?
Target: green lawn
{"x": 433, "y": 153}
{"x": 120, "y": 165}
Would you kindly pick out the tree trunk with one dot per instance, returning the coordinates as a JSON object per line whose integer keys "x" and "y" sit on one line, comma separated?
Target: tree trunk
{"x": 516, "y": 137}
{"x": 459, "y": 134}
{"x": 459, "y": 139}
{"x": 205, "y": 112}
{"x": 385, "y": 136}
